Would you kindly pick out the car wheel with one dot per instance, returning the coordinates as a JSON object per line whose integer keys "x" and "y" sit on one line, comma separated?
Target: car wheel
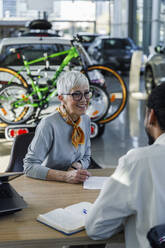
{"x": 149, "y": 80}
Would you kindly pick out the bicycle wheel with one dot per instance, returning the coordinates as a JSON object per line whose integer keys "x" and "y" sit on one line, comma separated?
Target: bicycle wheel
{"x": 99, "y": 103}
{"x": 114, "y": 85}
{"x": 11, "y": 114}
{"x": 9, "y": 76}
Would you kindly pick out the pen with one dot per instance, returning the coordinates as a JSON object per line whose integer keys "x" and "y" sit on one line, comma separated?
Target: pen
{"x": 84, "y": 211}
{"x": 74, "y": 167}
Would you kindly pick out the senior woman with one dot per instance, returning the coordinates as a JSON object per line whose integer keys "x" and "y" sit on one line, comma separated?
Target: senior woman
{"x": 60, "y": 149}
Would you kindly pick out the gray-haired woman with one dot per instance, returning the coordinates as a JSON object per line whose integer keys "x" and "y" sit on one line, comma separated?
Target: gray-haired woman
{"x": 60, "y": 149}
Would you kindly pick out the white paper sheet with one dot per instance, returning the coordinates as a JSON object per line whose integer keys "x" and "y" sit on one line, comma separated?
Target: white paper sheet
{"x": 94, "y": 182}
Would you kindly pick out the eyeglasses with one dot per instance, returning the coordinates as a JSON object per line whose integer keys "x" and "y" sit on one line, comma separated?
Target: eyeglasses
{"x": 77, "y": 95}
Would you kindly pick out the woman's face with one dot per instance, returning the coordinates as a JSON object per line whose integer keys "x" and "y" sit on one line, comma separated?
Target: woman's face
{"x": 76, "y": 107}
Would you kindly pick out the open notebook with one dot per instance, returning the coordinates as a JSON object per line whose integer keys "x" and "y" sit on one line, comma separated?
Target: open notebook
{"x": 67, "y": 220}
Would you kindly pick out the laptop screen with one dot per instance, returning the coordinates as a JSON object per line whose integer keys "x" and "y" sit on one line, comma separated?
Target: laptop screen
{"x": 10, "y": 200}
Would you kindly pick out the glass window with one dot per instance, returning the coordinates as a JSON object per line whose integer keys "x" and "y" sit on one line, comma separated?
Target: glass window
{"x": 162, "y": 21}
{"x": 88, "y": 38}
{"x": 31, "y": 52}
{"x": 139, "y": 20}
{"x": 116, "y": 44}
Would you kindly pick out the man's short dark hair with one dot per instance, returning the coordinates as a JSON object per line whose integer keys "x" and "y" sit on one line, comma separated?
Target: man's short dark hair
{"x": 156, "y": 101}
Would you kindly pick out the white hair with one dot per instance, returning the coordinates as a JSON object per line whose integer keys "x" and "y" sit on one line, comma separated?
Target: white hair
{"x": 69, "y": 80}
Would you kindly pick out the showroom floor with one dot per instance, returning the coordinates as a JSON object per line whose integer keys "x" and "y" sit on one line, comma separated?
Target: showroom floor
{"x": 120, "y": 135}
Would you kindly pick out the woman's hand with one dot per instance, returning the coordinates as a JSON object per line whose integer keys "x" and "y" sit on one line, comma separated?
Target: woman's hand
{"x": 77, "y": 176}
{"x": 76, "y": 165}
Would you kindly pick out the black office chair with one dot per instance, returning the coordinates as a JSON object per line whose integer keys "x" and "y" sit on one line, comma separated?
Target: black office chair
{"x": 18, "y": 151}
{"x": 156, "y": 236}
{"x": 94, "y": 164}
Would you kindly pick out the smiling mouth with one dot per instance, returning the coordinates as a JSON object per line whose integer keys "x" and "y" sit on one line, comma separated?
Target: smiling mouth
{"x": 84, "y": 106}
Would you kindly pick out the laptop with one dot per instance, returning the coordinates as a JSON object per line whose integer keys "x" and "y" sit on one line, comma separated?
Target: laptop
{"x": 10, "y": 200}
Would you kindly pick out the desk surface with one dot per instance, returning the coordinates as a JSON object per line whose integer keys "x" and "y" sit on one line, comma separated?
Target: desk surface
{"x": 22, "y": 230}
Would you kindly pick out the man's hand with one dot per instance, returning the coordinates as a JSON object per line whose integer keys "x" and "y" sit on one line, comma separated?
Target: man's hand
{"x": 77, "y": 176}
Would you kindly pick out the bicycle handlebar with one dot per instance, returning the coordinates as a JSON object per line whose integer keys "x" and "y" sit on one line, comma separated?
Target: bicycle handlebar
{"x": 77, "y": 37}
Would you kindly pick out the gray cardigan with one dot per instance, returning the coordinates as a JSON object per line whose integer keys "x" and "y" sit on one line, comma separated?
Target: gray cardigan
{"x": 52, "y": 147}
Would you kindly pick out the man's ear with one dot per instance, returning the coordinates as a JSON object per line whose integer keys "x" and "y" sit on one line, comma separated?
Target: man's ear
{"x": 152, "y": 117}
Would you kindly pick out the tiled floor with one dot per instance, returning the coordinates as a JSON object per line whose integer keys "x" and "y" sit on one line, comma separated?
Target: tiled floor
{"x": 120, "y": 135}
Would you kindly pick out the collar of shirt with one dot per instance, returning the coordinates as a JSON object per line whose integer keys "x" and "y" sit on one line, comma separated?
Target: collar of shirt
{"x": 160, "y": 139}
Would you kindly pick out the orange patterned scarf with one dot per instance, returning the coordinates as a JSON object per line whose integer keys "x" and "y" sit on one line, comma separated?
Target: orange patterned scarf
{"x": 78, "y": 136}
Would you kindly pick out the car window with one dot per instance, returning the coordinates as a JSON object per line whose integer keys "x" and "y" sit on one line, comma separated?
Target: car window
{"x": 97, "y": 43}
{"x": 87, "y": 38}
{"x": 32, "y": 52}
{"x": 65, "y": 47}
{"x": 116, "y": 44}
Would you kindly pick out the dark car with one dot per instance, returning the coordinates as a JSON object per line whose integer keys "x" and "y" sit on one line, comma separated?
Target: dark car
{"x": 113, "y": 52}
{"x": 87, "y": 38}
{"x": 155, "y": 68}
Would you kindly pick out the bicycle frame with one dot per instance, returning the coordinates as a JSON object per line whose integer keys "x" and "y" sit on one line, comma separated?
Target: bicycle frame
{"x": 70, "y": 54}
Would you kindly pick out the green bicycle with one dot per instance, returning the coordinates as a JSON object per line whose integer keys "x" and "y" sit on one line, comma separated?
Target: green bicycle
{"x": 21, "y": 101}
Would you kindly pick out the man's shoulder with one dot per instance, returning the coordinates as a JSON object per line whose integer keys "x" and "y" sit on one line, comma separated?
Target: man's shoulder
{"x": 134, "y": 160}
{"x": 140, "y": 152}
